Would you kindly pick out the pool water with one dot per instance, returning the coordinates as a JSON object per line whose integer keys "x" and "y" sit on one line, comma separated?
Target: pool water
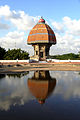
{"x": 40, "y": 95}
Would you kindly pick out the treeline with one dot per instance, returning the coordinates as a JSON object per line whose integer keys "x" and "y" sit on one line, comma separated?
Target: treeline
{"x": 19, "y": 54}
{"x": 70, "y": 56}
{"x": 13, "y": 54}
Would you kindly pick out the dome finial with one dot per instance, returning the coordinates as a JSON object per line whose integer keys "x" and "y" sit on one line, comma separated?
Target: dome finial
{"x": 41, "y": 17}
{"x": 41, "y": 20}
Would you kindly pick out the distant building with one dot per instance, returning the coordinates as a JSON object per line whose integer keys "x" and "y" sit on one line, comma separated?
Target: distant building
{"x": 41, "y": 37}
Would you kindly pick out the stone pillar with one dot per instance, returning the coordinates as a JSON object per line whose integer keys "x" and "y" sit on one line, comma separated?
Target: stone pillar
{"x": 47, "y": 47}
{"x": 36, "y": 51}
{"x": 41, "y": 51}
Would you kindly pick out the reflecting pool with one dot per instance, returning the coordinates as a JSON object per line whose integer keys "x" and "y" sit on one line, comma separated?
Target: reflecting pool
{"x": 40, "y": 95}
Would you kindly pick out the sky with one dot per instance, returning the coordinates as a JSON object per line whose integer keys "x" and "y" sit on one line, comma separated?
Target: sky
{"x": 17, "y": 18}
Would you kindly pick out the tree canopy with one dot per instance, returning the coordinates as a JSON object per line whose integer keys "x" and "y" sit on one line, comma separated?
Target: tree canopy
{"x": 2, "y": 53}
{"x": 70, "y": 56}
{"x": 19, "y": 54}
{"x": 13, "y": 54}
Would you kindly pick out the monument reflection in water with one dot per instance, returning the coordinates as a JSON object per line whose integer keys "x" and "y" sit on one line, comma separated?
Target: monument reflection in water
{"x": 41, "y": 85}
{"x": 17, "y": 102}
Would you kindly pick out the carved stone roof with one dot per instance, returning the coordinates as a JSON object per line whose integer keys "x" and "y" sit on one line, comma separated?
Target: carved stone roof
{"x": 41, "y": 33}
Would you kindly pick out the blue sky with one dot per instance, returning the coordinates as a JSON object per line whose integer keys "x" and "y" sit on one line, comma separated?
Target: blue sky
{"x": 62, "y": 15}
{"x": 54, "y": 9}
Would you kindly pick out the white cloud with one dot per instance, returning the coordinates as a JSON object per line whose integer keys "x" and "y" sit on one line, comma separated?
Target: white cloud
{"x": 15, "y": 92}
{"x": 24, "y": 22}
{"x": 69, "y": 40}
{"x": 16, "y": 40}
{"x": 9, "y": 40}
{"x": 68, "y": 83}
{"x": 20, "y": 19}
{"x": 21, "y": 23}
{"x": 4, "y": 26}
{"x": 58, "y": 26}
{"x": 73, "y": 26}
{"x": 5, "y": 11}
{"x": 67, "y": 31}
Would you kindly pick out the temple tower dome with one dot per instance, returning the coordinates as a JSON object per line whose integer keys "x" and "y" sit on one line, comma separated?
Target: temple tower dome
{"x": 41, "y": 37}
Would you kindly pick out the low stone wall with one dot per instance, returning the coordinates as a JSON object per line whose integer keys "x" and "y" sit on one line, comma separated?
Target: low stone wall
{"x": 58, "y": 61}
{"x": 52, "y": 61}
{"x": 13, "y": 61}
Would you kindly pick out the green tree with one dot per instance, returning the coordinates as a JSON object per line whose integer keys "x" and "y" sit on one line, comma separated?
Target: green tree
{"x": 79, "y": 54}
{"x": 2, "y": 53}
{"x": 16, "y": 54}
{"x": 70, "y": 56}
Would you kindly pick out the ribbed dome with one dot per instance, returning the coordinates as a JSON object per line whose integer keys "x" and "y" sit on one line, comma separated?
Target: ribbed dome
{"x": 41, "y": 33}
